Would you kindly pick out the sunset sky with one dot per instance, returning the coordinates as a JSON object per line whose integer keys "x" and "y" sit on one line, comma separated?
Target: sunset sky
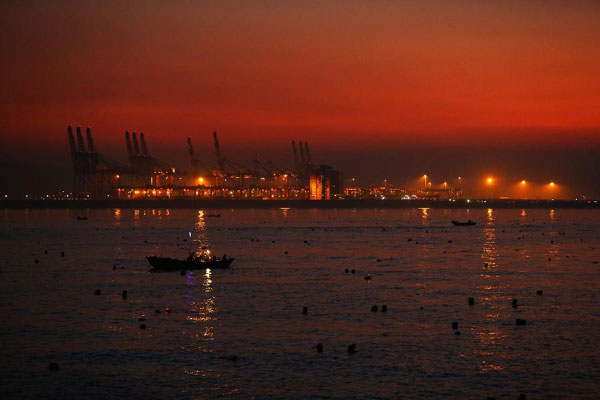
{"x": 445, "y": 87}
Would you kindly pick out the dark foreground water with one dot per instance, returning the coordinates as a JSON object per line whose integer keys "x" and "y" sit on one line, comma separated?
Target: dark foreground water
{"x": 240, "y": 333}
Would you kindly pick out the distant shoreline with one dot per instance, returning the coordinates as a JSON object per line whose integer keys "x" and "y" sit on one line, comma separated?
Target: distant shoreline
{"x": 305, "y": 204}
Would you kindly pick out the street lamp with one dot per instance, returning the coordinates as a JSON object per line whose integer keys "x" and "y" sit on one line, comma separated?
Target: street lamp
{"x": 489, "y": 181}
{"x": 425, "y": 180}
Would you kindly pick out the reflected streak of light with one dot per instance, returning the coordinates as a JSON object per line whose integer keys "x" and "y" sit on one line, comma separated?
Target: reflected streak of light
{"x": 202, "y": 309}
{"x": 489, "y": 336}
{"x": 425, "y": 212}
{"x": 490, "y": 252}
{"x": 207, "y": 281}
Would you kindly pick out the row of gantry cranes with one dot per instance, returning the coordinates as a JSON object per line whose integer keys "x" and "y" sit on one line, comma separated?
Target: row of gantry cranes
{"x": 96, "y": 176}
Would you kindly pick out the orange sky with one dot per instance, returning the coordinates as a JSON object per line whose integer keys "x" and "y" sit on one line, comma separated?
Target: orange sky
{"x": 477, "y": 73}
{"x": 450, "y": 71}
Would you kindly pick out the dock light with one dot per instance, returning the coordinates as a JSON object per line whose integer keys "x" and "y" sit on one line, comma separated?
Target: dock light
{"x": 200, "y": 181}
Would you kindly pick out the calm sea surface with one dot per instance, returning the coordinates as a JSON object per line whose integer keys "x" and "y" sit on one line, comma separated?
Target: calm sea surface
{"x": 241, "y": 333}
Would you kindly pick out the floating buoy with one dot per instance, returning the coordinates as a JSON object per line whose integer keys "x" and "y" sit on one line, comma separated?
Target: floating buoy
{"x": 378, "y": 260}
{"x": 124, "y": 294}
{"x": 234, "y": 358}
{"x": 114, "y": 267}
{"x": 449, "y": 241}
{"x": 53, "y": 366}
{"x": 521, "y": 322}
{"x": 374, "y": 308}
{"x": 98, "y": 292}
{"x": 409, "y": 240}
{"x": 285, "y": 252}
{"x": 62, "y": 253}
{"x": 384, "y": 308}
{"x": 368, "y": 277}
{"x": 539, "y": 292}
{"x": 514, "y": 303}
{"x": 272, "y": 241}
{"x": 45, "y": 251}
{"x": 457, "y": 333}
{"x": 346, "y": 270}
{"x": 522, "y": 396}
{"x": 157, "y": 311}
{"x": 471, "y": 301}
{"x": 141, "y": 319}
{"x": 36, "y": 261}
{"x": 353, "y": 271}
{"x": 305, "y": 310}
{"x": 142, "y": 326}
{"x": 455, "y": 325}
{"x": 320, "y": 348}
{"x": 352, "y": 348}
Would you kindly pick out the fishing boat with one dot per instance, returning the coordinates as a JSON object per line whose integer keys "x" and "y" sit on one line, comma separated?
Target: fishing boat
{"x": 190, "y": 263}
{"x": 468, "y": 223}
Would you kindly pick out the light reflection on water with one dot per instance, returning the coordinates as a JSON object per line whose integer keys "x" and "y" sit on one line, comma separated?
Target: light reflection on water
{"x": 491, "y": 292}
{"x": 201, "y": 303}
{"x": 254, "y": 310}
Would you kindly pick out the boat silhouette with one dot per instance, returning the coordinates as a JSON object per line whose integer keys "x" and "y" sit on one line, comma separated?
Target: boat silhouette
{"x": 468, "y": 223}
{"x": 190, "y": 263}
